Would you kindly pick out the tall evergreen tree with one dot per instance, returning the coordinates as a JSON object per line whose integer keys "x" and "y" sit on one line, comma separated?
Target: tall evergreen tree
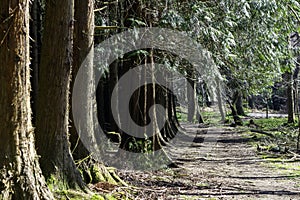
{"x": 52, "y": 123}
{"x": 20, "y": 174}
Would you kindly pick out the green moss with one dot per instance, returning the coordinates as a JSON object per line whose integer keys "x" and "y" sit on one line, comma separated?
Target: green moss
{"x": 97, "y": 197}
{"x": 103, "y": 175}
{"x": 72, "y": 195}
{"x": 97, "y": 174}
{"x": 55, "y": 184}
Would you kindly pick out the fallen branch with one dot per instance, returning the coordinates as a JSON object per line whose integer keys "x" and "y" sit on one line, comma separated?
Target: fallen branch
{"x": 106, "y": 27}
{"x": 262, "y": 132}
{"x": 295, "y": 155}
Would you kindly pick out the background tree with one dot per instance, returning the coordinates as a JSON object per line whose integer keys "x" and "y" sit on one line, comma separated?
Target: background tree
{"x": 83, "y": 62}
{"x": 20, "y": 174}
{"x": 83, "y": 49}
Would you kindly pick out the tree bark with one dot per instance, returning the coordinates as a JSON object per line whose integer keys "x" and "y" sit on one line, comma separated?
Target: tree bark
{"x": 220, "y": 101}
{"x": 20, "y": 174}
{"x": 191, "y": 96}
{"x": 35, "y": 47}
{"x": 239, "y": 104}
{"x": 53, "y": 96}
{"x": 236, "y": 118}
{"x": 295, "y": 86}
{"x": 290, "y": 98}
{"x": 251, "y": 101}
{"x": 83, "y": 57}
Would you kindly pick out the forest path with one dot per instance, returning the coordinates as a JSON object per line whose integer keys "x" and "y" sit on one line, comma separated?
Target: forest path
{"x": 220, "y": 164}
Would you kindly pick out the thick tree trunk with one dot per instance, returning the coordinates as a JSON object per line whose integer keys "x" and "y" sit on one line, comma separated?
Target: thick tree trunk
{"x": 53, "y": 95}
{"x": 20, "y": 174}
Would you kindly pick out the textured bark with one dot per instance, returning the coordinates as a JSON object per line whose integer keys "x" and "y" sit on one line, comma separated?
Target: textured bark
{"x": 53, "y": 95}
{"x": 83, "y": 57}
{"x": 191, "y": 96}
{"x": 290, "y": 98}
{"x": 20, "y": 174}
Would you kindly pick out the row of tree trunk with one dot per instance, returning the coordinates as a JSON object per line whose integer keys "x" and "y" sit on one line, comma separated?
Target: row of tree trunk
{"x": 21, "y": 175}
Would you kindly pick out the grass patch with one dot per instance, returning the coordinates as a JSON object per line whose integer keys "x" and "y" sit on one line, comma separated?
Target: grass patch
{"x": 210, "y": 115}
{"x": 275, "y": 150}
{"x": 285, "y": 166}
{"x": 285, "y": 135}
{"x": 272, "y": 123}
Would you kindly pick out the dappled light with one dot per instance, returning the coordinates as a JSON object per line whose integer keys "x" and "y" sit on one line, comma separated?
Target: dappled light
{"x": 149, "y": 100}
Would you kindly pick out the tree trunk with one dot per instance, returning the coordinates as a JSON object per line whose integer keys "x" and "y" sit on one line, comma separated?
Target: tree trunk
{"x": 295, "y": 86}
{"x": 239, "y": 104}
{"x": 113, "y": 80}
{"x": 290, "y": 98}
{"x": 220, "y": 101}
{"x": 53, "y": 95}
{"x": 83, "y": 57}
{"x": 191, "y": 95}
{"x": 35, "y": 47}
{"x": 234, "y": 112}
{"x": 251, "y": 101}
{"x": 20, "y": 174}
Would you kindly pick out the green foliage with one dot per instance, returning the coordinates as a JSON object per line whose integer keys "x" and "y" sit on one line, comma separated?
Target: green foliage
{"x": 142, "y": 146}
{"x": 182, "y": 117}
{"x": 248, "y": 39}
{"x": 285, "y": 136}
{"x": 270, "y": 123}
{"x": 211, "y": 117}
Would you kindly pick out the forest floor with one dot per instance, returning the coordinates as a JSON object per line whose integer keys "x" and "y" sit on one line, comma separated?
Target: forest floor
{"x": 219, "y": 164}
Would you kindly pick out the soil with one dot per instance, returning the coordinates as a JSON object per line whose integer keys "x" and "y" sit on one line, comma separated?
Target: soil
{"x": 219, "y": 164}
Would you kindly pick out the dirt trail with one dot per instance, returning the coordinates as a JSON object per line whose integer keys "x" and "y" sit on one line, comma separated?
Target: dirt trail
{"x": 218, "y": 165}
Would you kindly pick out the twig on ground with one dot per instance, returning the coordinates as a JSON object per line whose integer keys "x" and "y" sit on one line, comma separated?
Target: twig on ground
{"x": 262, "y": 132}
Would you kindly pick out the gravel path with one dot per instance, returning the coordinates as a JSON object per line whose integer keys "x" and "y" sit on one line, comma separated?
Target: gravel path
{"x": 219, "y": 164}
